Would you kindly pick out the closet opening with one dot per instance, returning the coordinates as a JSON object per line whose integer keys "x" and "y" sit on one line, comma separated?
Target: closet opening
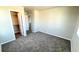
{"x": 16, "y": 25}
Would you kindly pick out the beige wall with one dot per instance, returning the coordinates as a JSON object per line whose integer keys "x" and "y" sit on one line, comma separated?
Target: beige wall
{"x": 59, "y": 21}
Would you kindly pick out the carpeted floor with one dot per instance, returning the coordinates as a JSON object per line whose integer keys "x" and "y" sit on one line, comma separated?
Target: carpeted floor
{"x": 38, "y": 42}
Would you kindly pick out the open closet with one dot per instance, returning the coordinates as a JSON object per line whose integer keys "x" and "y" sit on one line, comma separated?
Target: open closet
{"x": 16, "y": 26}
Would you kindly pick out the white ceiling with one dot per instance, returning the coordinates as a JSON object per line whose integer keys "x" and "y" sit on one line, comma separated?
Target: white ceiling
{"x": 38, "y": 7}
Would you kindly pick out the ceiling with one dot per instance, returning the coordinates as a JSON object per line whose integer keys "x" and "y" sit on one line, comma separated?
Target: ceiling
{"x": 29, "y": 9}
{"x": 38, "y": 7}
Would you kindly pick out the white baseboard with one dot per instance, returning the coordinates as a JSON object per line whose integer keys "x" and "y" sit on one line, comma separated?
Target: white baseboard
{"x": 7, "y": 41}
{"x": 4, "y": 43}
{"x": 57, "y": 35}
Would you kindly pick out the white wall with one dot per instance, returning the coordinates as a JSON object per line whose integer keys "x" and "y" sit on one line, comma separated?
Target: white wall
{"x": 75, "y": 39}
{"x": 35, "y": 21}
{"x": 6, "y": 27}
{"x": 59, "y": 21}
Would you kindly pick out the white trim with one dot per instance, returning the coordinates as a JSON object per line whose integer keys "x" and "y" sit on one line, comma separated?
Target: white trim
{"x": 62, "y": 37}
{"x": 21, "y": 22}
{"x": 11, "y": 23}
{"x": 4, "y": 43}
{"x": 8, "y": 41}
{"x": 59, "y": 36}
{"x": 55, "y": 35}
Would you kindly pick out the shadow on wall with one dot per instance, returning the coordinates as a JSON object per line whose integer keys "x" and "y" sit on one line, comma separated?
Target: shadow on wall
{"x": 0, "y": 47}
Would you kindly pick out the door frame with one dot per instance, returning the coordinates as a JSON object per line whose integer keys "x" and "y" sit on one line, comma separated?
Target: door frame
{"x": 20, "y": 19}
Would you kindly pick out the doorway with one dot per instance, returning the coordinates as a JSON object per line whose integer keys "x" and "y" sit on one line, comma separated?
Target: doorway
{"x": 29, "y": 26}
{"x": 16, "y": 25}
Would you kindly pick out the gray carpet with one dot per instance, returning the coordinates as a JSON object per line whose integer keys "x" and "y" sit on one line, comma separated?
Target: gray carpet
{"x": 37, "y": 42}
